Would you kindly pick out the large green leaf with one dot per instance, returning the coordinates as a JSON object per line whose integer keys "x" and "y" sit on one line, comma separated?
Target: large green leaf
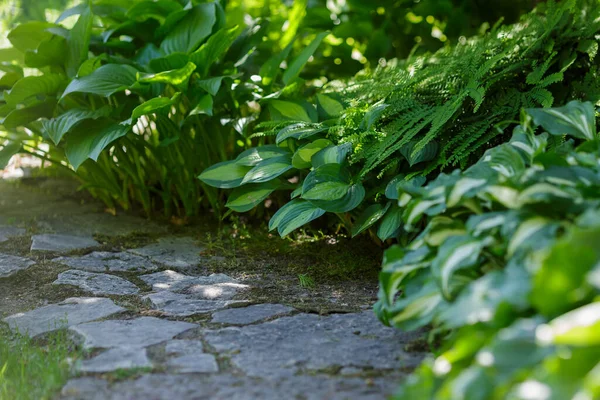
{"x": 580, "y": 327}
{"x": 270, "y": 69}
{"x": 168, "y": 63}
{"x": 57, "y": 127}
{"x": 296, "y": 131}
{"x": 331, "y": 107}
{"x": 29, "y": 35}
{"x": 153, "y": 9}
{"x": 49, "y": 53}
{"x": 390, "y": 223}
{"x": 576, "y": 119}
{"x": 299, "y": 62}
{"x": 427, "y": 153}
{"x": 268, "y": 169}
{"x": 224, "y": 175}
{"x": 288, "y": 110}
{"x": 303, "y": 156}
{"x": 22, "y": 116}
{"x": 89, "y": 138}
{"x": 33, "y": 86}
{"x": 8, "y": 150}
{"x": 153, "y": 105}
{"x": 204, "y": 106}
{"x": 178, "y": 77}
{"x": 327, "y": 182}
{"x": 214, "y": 48}
{"x": 79, "y": 42}
{"x": 331, "y": 155}
{"x": 247, "y": 197}
{"x": 191, "y": 31}
{"x": 104, "y": 81}
{"x": 255, "y": 155}
{"x": 368, "y": 217}
{"x": 293, "y": 215}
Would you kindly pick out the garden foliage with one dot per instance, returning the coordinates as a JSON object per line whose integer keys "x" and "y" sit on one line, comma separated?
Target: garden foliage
{"x": 413, "y": 118}
{"x": 508, "y": 263}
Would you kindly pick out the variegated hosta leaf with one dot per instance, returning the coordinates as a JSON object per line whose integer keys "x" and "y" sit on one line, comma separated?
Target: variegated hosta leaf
{"x": 293, "y": 215}
{"x": 576, "y": 119}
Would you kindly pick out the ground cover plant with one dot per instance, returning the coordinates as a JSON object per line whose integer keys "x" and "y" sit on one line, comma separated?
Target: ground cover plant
{"x": 412, "y": 118}
{"x": 506, "y": 269}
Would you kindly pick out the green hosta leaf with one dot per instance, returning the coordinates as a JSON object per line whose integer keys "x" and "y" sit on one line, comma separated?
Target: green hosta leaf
{"x": 295, "y": 131}
{"x": 204, "y": 106}
{"x": 327, "y": 182}
{"x": 33, "y": 86}
{"x": 372, "y": 115}
{"x": 57, "y": 127}
{"x": 255, "y": 155}
{"x": 293, "y": 215}
{"x": 224, "y": 175}
{"x": 247, "y": 197}
{"x": 368, "y": 217}
{"x": 419, "y": 207}
{"x": 211, "y": 85}
{"x": 288, "y": 110}
{"x": 399, "y": 185}
{"x": 576, "y": 119}
{"x": 559, "y": 283}
{"x": 29, "y": 35}
{"x": 153, "y": 105}
{"x": 90, "y": 65}
{"x": 580, "y": 327}
{"x": 22, "y": 116}
{"x": 214, "y": 48}
{"x": 506, "y": 160}
{"x": 8, "y": 150}
{"x": 427, "y": 153}
{"x": 269, "y": 169}
{"x": 191, "y": 31}
{"x": 418, "y": 309}
{"x": 49, "y": 53}
{"x": 10, "y": 75}
{"x": 331, "y": 155}
{"x": 270, "y": 69}
{"x": 352, "y": 199}
{"x": 89, "y": 138}
{"x": 465, "y": 188}
{"x": 390, "y": 224}
{"x": 331, "y": 107}
{"x": 299, "y": 62}
{"x": 79, "y": 42}
{"x": 153, "y": 9}
{"x": 170, "y": 62}
{"x": 177, "y": 77}
{"x": 104, "y": 81}
{"x": 485, "y": 223}
{"x": 456, "y": 253}
{"x": 302, "y": 157}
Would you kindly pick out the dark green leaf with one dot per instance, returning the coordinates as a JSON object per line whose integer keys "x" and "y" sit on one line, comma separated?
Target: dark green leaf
{"x": 247, "y": 197}
{"x": 268, "y": 169}
{"x": 191, "y": 30}
{"x": 104, "y": 81}
{"x": 299, "y": 62}
{"x": 368, "y": 217}
{"x": 224, "y": 175}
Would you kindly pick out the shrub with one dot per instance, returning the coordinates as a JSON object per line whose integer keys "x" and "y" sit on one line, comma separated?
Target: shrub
{"x": 506, "y": 269}
{"x": 413, "y": 118}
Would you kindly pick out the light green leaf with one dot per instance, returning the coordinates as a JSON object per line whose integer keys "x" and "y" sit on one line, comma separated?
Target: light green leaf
{"x": 390, "y": 224}
{"x": 90, "y": 65}
{"x": 576, "y": 119}
{"x": 327, "y": 182}
{"x": 104, "y": 81}
{"x": 295, "y": 131}
{"x": 293, "y": 215}
{"x": 153, "y": 105}
{"x": 299, "y": 62}
{"x": 224, "y": 175}
{"x": 177, "y": 77}
{"x": 580, "y": 327}
{"x": 289, "y": 110}
{"x": 22, "y": 116}
{"x": 268, "y": 169}
{"x": 190, "y": 31}
{"x": 211, "y": 85}
{"x": 270, "y": 69}
{"x": 49, "y": 53}
{"x": 57, "y": 127}
{"x": 79, "y": 41}
{"x": 332, "y": 108}
{"x": 368, "y": 217}
{"x": 33, "y": 86}
{"x": 153, "y": 9}
{"x": 168, "y": 63}
{"x": 29, "y": 35}
{"x": 331, "y": 155}
{"x": 8, "y": 150}
{"x": 214, "y": 48}
{"x": 89, "y": 138}
{"x": 255, "y": 155}
{"x": 247, "y": 197}
{"x": 204, "y": 106}
{"x": 302, "y": 157}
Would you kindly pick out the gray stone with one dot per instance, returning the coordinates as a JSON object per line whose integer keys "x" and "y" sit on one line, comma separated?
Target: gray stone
{"x": 104, "y": 261}
{"x": 116, "y": 358}
{"x": 139, "y": 332}
{"x": 183, "y": 305}
{"x": 55, "y": 242}
{"x": 97, "y": 284}
{"x": 289, "y": 345}
{"x": 85, "y": 388}
{"x": 227, "y": 387}
{"x": 194, "y": 363}
{"x": 173, "y": 252}
{"x": 72, "y": 311}
{"x": 181, "y": 347}
{"x": 9, "y": 265}
{"x": 250, "y": 314}
{"x": 212, "y": 287}
{"x": 6, "y": 232}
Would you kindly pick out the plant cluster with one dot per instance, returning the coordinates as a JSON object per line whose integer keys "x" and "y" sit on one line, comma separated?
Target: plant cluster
{"x": 413, "y": 118}
{"x": 507, "y": 266}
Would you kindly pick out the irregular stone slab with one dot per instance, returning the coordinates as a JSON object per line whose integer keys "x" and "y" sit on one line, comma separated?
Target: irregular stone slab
{"x": 97, "y": 284}
{"x": 173, "y": 252}
{"x": 289, "y": 345}
{"x": 116, "y": 358}
{"x": 134, "y": 333}
{"x": 250, "y": 314}
{"x": 9, "y": 265}
{"x": 226, "y": 387}
{"x": 183, "y": 305}
{"x": 85, "y": 388}
{"x": 181, "y": 347}
{"x": 53, "y": 242}
{"x": 104, "y": 261}
{"x": 72, "y": 311}
{"x": 186, "y": 356}
{"x": 6, "y": 232}
{"x": 212, "y": 287}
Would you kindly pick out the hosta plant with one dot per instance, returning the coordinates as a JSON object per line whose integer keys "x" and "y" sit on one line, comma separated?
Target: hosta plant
{"x": 506, "y": 267}
{"x": 347, "y": 153}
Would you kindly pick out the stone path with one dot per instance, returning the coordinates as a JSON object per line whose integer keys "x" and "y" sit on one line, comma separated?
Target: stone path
{"x": 194, "y": 335}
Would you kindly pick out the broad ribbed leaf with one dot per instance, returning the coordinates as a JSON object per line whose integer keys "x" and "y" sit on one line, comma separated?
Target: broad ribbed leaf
{"x": 22, "y": 116}
{"x": 177, "y": 77}
{"x": 204, "y": 106}
{"x": 29, "y": 35}
{"x": 295, "y": 131}
{"x": 88, "y": 139}
{"x": 224, "y": 175}
{"x": 211, "y": 85}
{"x": 153, "y": 105}
{"x": 270, "y": 69}
{"x": 190, "y": 31}
{"x": 368, "y": 217}
{"x": 168, "y": 63}
{"x": 287, "y": 110}
{"x": 50, "y": 52}
{"x": 255, "y": 155}
{"x": 331, "y": 107}
{"x": 293, "y": 215}
{"x": 247, "y": 197}
{"x": 299, "y": 62}
{"x": 576, "y": 119}
{"x": 214, "y": 48}
{"x": 57, "y": 127}
{"x": 390, "y": 224}
{"x": 327, "y": 182}
{"x": 427, "y": 153}
{"x": 331, "y": 155}
{"x": 159, "y": 9}
{"x": 30, "y": 86}
{"x": 79, "y": 42}
{"x": 268, "y": 169}
{"x": 104, "y": 81}
{"x": 302, "y": 157}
